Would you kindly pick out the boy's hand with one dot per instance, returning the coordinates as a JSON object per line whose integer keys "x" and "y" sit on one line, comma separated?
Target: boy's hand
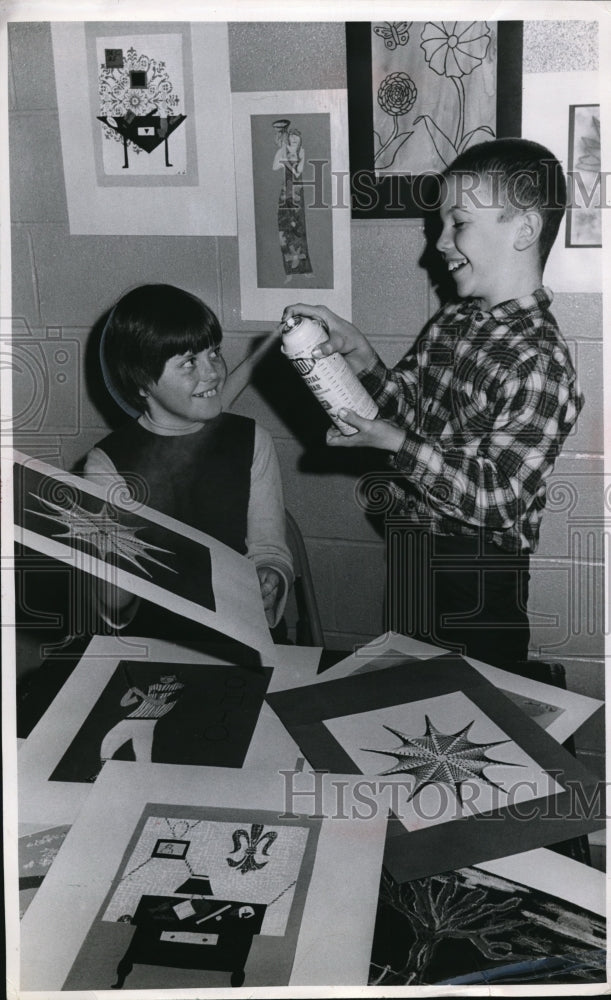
{"x": 269, "y": 582}
{"x": 371, "y": 433}
{"x": 344, "y": 337}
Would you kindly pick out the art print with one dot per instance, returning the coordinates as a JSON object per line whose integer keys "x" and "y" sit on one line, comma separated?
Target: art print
{"x": 559, "y": 711}
{"x": 583, "y": 220}
{"x": 169, "y": 713}
{"x": 158, "y": 558}
{"x": 145, "y": 105}
{"x": 474, "y": 927}
{"x": 420, "y": 93}
{"x": 142, "y": 87}
{"x": 452, "y": 753}
{"x": 203, "y": 897}
{"x": 434, "y": 91}
{"x": 293, "y": 230}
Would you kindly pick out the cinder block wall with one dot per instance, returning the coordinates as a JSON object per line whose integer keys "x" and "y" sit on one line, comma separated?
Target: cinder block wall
{"x": 63, "y": 283}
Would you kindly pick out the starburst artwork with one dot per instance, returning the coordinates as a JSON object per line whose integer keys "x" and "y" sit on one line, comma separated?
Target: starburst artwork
{"x": 101, "y": 530}
{"x": 449, "y": 758}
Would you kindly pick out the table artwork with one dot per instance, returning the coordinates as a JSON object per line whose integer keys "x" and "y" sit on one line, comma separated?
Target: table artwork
{"x": 194, "y": 890}
{"x": 420, "y": 93}
{"x": 293, "y": 230}
{"x": 477, "y": 926}
{"x": 185, "y": 878}
{"x": 558, "y": 711}
{"x": 145, "y": 105}
{"x": 461, "y": 765}
{"x": 154, "y": 556}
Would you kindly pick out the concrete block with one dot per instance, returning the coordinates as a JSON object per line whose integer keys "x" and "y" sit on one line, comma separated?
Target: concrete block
{"x": 24, "y": 302}
{"x": 575, "y": 498}
{"x": 80, "y": 277}
{"x": 306, "y": 55}
{"x": 588, "y": 435}
{"x": 579, "y": 315}
{"x": 360, "y": 579}
{"x": 38, "y": 191}
{"x": 389, "y": 287}
{"x": 566, "y": 610}
{"x": 324, "y": 504}
{"x": 32, "y": 69}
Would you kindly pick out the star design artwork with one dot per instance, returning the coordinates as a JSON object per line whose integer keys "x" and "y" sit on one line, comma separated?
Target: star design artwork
{"x": 103, "y": 532}
{"x": 441, "y": 758}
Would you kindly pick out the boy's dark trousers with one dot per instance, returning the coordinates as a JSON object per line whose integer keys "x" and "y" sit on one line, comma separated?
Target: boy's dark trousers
{"x": 462, "y": 593}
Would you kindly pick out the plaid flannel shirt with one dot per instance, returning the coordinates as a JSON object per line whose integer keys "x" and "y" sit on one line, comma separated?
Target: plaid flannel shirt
{"x": 486, "y": 400}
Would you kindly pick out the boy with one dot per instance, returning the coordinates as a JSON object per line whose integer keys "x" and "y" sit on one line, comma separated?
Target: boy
{"x": 474, "y": 416}
{"x": 215, "y": 471}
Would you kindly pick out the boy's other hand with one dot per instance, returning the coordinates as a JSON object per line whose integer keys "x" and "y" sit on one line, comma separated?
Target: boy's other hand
{"x": 344, "y": 337}
{"x": 371, "y": 433}
{"x": 270, "y": 584}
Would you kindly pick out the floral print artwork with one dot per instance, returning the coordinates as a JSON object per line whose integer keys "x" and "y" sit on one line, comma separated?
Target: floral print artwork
{"x": 141, "y": 102}
{"x": 434, "y": 92}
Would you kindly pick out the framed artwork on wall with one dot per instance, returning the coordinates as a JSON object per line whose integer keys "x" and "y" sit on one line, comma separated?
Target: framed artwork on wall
{"x": 419, "y": 93}
{"x": 145, "y": 125}
{"x": 291, "y": 154}
{"x": 583, "y": 217}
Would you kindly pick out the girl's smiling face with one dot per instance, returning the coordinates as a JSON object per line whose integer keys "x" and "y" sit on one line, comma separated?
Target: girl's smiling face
{"x": 477, "y": 241}
{"x": 188, "y": 390}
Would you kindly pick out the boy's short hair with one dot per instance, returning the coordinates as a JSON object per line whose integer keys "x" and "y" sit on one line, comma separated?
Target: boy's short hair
{"x": 149, "y": 325}
{"x": 529, "y": 177}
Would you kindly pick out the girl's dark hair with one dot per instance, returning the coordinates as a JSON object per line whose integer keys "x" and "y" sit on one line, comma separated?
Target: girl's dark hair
{"x": 149, "y": 325}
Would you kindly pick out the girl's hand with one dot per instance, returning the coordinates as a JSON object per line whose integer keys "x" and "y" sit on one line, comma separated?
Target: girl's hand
{"x": 371, "y": 433}
{"x": 270, "y": 583}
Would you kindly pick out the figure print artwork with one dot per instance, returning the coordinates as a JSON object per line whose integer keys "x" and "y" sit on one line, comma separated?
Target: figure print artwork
{"x": 204, "y": 897}
{"x": 293, "y": 212}
{"x": 174, "y": 713}
{"x": 291, "y": 154}
{"x": 292, "y": 230}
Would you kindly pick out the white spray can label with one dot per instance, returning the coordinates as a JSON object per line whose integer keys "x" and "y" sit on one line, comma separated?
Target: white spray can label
{"x": 331, "y": 379}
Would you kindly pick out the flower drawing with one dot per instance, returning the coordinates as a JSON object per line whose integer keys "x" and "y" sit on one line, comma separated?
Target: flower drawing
{"x": 453, "y": 50}
{"x": 396, "y": 96}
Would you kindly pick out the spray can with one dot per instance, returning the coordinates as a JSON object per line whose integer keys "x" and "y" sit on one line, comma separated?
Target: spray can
{"x": 330, "y": 378}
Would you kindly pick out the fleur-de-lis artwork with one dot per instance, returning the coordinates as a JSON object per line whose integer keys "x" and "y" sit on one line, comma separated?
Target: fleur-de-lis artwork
{"x": 255, "y": 846}
{"x": 455, "y": 110}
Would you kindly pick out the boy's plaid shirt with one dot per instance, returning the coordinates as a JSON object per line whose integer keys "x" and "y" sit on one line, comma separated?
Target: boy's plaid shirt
{"x": 487, "y": 400}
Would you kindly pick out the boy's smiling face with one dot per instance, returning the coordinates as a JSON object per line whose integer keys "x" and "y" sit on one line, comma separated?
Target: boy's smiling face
{"x": 188, "y": 390}
{"x": 477, "y": 241}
